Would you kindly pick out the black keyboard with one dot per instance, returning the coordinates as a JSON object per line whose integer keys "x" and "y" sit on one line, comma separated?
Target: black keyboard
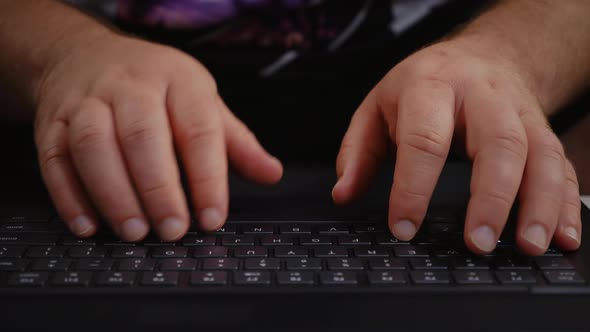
{"x": 42, "y": 253}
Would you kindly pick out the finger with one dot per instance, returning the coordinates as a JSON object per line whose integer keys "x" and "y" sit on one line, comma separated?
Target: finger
{"x": 496, "y": 142}
{"x": 101, "y": 167}
{"x": 197, "y": 128}
{"x": 146, "y": 141}
{"x": 246, "y": 154}
{"x": 63, "y": 185}
{"x": 423, "y": 133}
{"x": 569, "y": 229}
{"x": 541, "y": 190}
{"x": 363, "y": 147}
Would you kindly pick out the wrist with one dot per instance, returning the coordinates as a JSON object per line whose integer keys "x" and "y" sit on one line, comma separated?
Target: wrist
{"x": 516, "y": 61}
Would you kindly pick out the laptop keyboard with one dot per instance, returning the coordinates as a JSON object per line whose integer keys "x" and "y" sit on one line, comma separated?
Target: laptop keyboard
{"x": 38, "y": 253}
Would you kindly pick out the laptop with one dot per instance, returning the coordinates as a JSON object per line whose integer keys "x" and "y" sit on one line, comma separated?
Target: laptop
{"x": 287, "y": 260}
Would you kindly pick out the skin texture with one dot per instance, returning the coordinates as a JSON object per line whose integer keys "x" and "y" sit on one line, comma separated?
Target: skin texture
{"x": 487, "y": 89}
{"x": 109, "y": 133}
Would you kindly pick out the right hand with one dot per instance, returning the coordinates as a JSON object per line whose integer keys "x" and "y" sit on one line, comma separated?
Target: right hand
{"x": 110, "y": 117}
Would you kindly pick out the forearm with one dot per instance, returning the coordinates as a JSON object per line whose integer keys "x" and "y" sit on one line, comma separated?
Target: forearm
{"x": 34, "y": 35}
{"x": 548, "y": 40}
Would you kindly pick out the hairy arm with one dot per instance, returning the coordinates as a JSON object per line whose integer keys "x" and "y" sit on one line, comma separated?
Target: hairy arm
{"x": 549, "y": 40}
{"x": 34, "y": 35}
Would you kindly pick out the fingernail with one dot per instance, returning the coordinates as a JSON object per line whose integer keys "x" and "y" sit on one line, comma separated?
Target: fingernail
{"x": 404, "y": 230}
{"x": 81, "y": 225}
{"x": 210, "y": 218}
{"x": 537, "y": 236}
{"x": 573, "y": 233}
{"x": 484, "y": 238}
{"x": 133, "y": 229}
{"x": 171, "y": 229}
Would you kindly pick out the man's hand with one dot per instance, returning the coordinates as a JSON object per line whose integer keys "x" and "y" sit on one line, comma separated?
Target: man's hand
{"x": 452, "y": 91}
{"x": 112, "y": 118}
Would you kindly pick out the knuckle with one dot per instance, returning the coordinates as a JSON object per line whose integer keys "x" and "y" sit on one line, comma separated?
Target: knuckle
{"x": 499, "y": 197}
{"x": 512, "y": 141}
{"x": 51, "y": 156}
{"x": 570, "y": 175}
{"x": 87, "y": 138}
{"x": 158, "y": 189}
{"x": 551, "y": 148}
{"x": 137, "y": 134}
{"x": 428, "y": 142}
{"x": 207, "y": 180}
{"x": 195, "y": 135}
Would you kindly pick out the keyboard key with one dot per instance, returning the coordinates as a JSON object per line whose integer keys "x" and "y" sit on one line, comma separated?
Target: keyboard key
{"x": 354, "y": 240}
{"x": 160, "y": 279}
{"x": 338, "y": 278}
{"x": 28, "y": 218}
{"x": 179, "y": 264}
{"x": 429, "y": 264}
{"x": 138, "y": 264}
{"x": 410, "y": 251}
{"x": 295, "y": 229}
{"x": 227, "y": 229}
{"x": 220, "y": 264}
{"x": 563, "y": 277}
{"x": 115, "y": 279}
{"x": 71, "y": 279}
{"x": 444, "y": 252}
{"x": 470, "y": 263}
{"x": 253, "y": 252}
{"x": 368, "y": 228}
{"x": 332, "y": 229}
{"x": 262, "y": 264}
{"x": 330, "y": 252}
{"x": 39, "y": 227}
{"x": 251, "y": 278}
{"x": 94, "y": 264}
{"x": 12, "y": 251}
{"x": 513, "y": 263}
{"x": 516, "y": 277}
{"x": 153, "y": 241}
{"x": 319, "y": 240}
{"x": 28, "y": 279}
{"x": 430, "y": 277}
{"x": 386, "y": 278}
{"x": 113, "y": 241}
{"x": 46, "y": 252}
{"x": 169, "y": 252}
{"x": 344, "y": 264}
{"x": 291, "y": 252}
{"x": 276, "y": 240}
{"x": 71, "y": 240}
{"x": 53, "y": 264}
{"x": 387, "y": 264}
{"x": 87, "y": 252}
{"x": 198, "y": 240}
{"x": 38, "y": 239}
{"x": 258, "y": 229}
{"x": 129, "y": 252}
{"x": 295, "y": 278}
{"x": 553, "y": 263}
{"x": 387, "y": 239}
{"x": 473, "y": 277}
{"x": 553, "y": 252}
{"x": 238, "y": 240}
{"x": 210, "y": 252}
{"x": 371, "y": 252}
{"x": 14, "y": 264}
{"x": 211, "y": 278}
{"x": 304, "y": 264}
